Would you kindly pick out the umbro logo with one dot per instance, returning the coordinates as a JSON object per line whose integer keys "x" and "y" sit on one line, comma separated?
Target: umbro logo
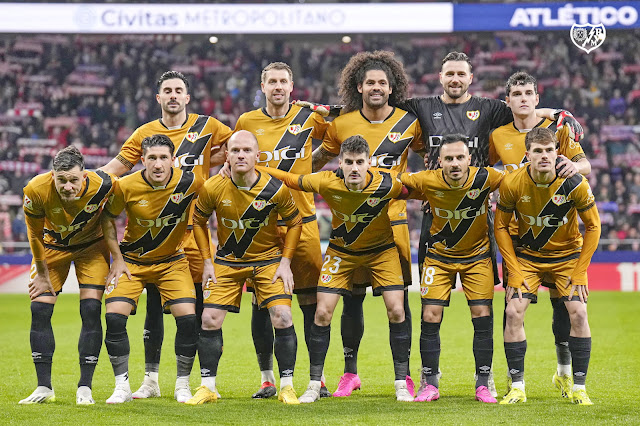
{"x": 259, "y": 132}
{"x": 91, "y": 359}
{"x": 337, "y": 198}
{"x": 437, "y": 115}
{"x": 485, "y": 368}
{"x": 525, "y": 199}
{"x": 514, "y": 371}
{"x": 579, "y": 373}
{"x": 286, "y": 373}
{"x": 439, "y": 194}
{"x": 204, "y": 371}
{"x": 143, "y": 203}
{"x": 226, "y": 203}
{"x": 508, "y": 146}
{"x": 347, "y": 350}
{"x": 426, "y": 370}
{"x": 56, "y": 210}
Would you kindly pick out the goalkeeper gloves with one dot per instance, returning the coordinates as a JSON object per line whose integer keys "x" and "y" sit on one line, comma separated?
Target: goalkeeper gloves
{"x": 323, "y": 110}
{"x": 564, "y": 117}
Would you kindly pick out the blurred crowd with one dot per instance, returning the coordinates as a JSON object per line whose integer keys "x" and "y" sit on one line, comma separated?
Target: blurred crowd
{"x": 93, "y": 91}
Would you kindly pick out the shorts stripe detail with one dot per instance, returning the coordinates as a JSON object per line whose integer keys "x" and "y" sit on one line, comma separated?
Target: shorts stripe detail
{"x": 92, "y": 286}
{"x": 399, "y": 222}
{"x": 362, "y": 285}
{"x": 256, "y": 263}
{"x": 332, "y": 290}
{"x": 73, "y": 247}
{"x": 574, "y": 298}
{"x": 531, "y": 296}
{"x": 548, "y": 259}
{"x": 229, "y": 308}
{"x": 436, "y": 302}
{"x": 309, "y": 290}
{"x": 272, "y": 298}
{"x": 480, "y": 302}
{"x": 121, "y": 299}
{"x": 180, "y": 300}
{"x": 378, "y": 290}
{"x": 167, "y": 260}
{"x": 548, "y": 285}
{"x": 305, "y": 219}
{"x": 463, "y": 260}
{"x": 362, "y": 252}
{"x": 48, "y": 293}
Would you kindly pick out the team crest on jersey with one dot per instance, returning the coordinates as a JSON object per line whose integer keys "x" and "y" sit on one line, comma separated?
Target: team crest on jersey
{"x": 473, "y": 194}
{"x": 558, "y": 199}
{"x": 373, "y": 201}
{"x": 295, "y": 129}
{"x": 206, "y": 294}
{"x": 259, "y": 204}
{"x": 424, "y": 290}
{"x": 192, "y": 136}
{"x": 325, "y": 278}
{"x": 176, "y": 198}
{"x": 28, "y": 204}
{"x": 109, "y": 289}
{"x": 90, "y": 208}
{"x": 473, "y": 115}
{"x": 394, "y": 136}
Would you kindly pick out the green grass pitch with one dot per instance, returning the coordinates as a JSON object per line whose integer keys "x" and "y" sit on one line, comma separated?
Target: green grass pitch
{"x": 613, "y": 378}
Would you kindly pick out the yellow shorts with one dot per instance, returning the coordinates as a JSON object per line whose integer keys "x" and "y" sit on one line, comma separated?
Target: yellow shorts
{"x": 439, "y": 277}
{"x": 537, "y": 271}
{"x": 172, "y": 278}
{"x": 553, "y": 292}
{"x": 226, "y": 294}
{"x": 196, "y": 263}
{"x": 91, "y": 263}
{"x": 362, "y": 277}
{"x": 340, "y": 265}
{"x": 307, "y": 260}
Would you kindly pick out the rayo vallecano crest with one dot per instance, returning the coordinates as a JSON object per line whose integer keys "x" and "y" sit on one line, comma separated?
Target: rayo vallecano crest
{"x": 588, "y": 37}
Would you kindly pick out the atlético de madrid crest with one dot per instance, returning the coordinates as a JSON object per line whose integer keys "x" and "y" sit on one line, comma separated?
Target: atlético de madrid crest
{"x": 473, "y": 115}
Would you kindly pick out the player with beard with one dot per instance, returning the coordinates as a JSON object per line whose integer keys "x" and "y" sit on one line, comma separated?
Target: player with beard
{"x": 371, "y": 85}
{"x": 198, "y": 140}
{"x": 284, "y": 133}
{"x": 457, "y": 111}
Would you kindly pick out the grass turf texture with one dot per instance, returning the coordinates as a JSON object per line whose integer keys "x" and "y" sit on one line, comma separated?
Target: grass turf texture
{"x": 612, "y": 382}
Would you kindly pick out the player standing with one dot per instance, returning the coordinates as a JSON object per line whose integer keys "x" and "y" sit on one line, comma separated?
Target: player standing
{"x": 157, "y": 201}
{"x": 371, "y": 85}
{"x": 457, "y": 111}
{"x": 506, "y": 145}
{"x": 551, "y": 247}
{"x": 458, "y": 244}
{"x": 250, "y": 247}
{"x": 198, "y": 140}
{"x": 361, "y": 237}
{"x": 284, "y": 133}
{"x": 61, "y": 209}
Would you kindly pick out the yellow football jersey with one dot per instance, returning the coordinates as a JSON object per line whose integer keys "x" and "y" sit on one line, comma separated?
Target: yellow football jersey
{"x": 547, "y": 222}
{"x": 459, "y": 228}
{"x": 247, "y": 217}
{"x": 506, "y": 144}
{"x": 68, "y": 224}
{"x": 285, "y": 143}
{"x": 360, "y": 220}
{"x": 388, "y": 141}
{"x": 193, "y": 142}
{"x": 157, "y": 216}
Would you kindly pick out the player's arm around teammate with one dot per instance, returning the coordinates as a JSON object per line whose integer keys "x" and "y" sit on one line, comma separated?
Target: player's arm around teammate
{"x": 247, "y": 205}
{"x": 62, "y": 210}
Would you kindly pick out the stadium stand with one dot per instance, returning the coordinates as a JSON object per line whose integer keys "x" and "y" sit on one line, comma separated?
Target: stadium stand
{"x": 93, "y": 91}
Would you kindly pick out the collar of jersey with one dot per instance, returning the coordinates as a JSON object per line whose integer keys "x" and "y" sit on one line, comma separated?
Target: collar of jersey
{"x": 164, "y": 125}
{"x": 540, "y": 185}
{"x": 156, "y": 187}
{"x": 244, "y": 188}
{"x": 393, "y": 111}
{"x": 513, "y": 123}
{"x": 264, "y": 111}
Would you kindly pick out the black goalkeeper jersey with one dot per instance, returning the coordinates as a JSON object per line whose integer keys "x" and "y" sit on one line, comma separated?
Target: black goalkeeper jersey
{"x": 474, "y": 118}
